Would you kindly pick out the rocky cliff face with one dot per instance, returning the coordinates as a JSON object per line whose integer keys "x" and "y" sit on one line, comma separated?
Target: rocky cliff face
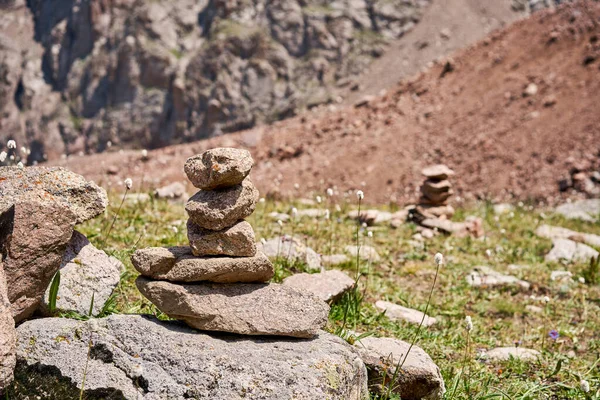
{"x": 80, "y": 75}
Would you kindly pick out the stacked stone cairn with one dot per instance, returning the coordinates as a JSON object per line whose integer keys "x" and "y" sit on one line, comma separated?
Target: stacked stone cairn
{"x": 218, "y": 282}
{"x": 436, "y": 190}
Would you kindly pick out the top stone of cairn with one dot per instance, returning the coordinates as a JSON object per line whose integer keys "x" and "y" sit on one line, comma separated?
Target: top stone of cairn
{"x": 218, "y": 168}
{"x": 437, "y": 172}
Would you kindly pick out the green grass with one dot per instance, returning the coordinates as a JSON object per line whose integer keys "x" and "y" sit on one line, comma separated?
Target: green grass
{"x": 405, "y": 275}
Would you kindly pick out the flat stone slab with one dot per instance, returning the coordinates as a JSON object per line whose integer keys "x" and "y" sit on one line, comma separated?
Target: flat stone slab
{"x": 438, "y": 171}
{"x": 328, "y": 286}
{"x": 335, "y": 259}
{"x": 222, "y": 208}
{"x": 505, "y": 354}
{"x": 247, "y": 309}
{"x": 292, "y": 248}
{"x": 237, "y": 240}
{"x": 371, "y": 217}
{"x": 365, "y": 253}
{"x": 85, "y": 272}
{"x": 137, "y": 357}
{"x": 178, "y": 264}
{"x": 557, "y": 232}
{"x": 218, "y": 168}
{"x": 586, "y": 210}
{"x": 568, "y": 250}
{"x": 486, "y": 277}
{"x": 420, "y": 377}
{"x": 396, "y": 312}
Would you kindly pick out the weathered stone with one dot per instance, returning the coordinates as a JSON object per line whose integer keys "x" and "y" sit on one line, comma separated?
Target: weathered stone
{"x": 371, "y": 217}
{"x": 248, "y": 309}
{"x": 174, "y": 191}
{"x": 178, "y": 264}
{"x": 292, "y": 248}
{"x": 366, "y": 253}
{"x": 586, "y": 210}
{"x": 503, "y": 208}
{"x": 561, "y": 276}
{"x": 218, "y": 168}
{"x": 506, "y": 353}
{"x": 137, "y": 357}
{"x": 33, "y": 239}
{"x": 8, "y": 335}
{"x": 279, "y": 216}
{"x": 85, "y": 272}
{"x": 439, "y": 172}
{"x": 487, "y": 277}
{"x": 396, "y": 312}
{"x": 237, "y": 240}
{"x": 220, "y": 208}
{"x": 335, "y": 259}
{"x": 52, "y": 185}
{"x": 435, "y": 211}
{"x": 420, "y": 378}
{"x": 328, "y": 285}
{"x": 311, "y": 213}
{"x": 556, "y": 232}
{"x": 568, "y": 250}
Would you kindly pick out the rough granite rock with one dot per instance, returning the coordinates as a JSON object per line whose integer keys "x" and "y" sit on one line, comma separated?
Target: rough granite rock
{"x": 396, "y": 312}
{"x": 571, "y": 251}
{"x": 85, "y": 271}
{"x": 136, "y": 357}
{"x": 237, "y": 240}
{"x": 556, "y": 232}
{"x": 586, "y": 210}
{"x": 366, "y": 253}
{"x": 178, "y": 264}
{"x": 506, "y": 353}
{"x": 420, "y": 378}
{"x": 292, "y": 248}
{"x": 8, "y": 335}
{"x": 438, "y": 172}
{"x": 248, "y": 309}
{"x": 486, "y": 277}
{"x": 220, "y": 208}
{"x": 218, "y": 168}
{"x": 328, "y": 285}
{"x": 33, "y": 239}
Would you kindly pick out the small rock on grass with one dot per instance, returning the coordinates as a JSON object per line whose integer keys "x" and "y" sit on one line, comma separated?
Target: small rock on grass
{"x": 366, "y": 253}
{"x": 247, "y": 309}
{"x": 420, "y": 377}
{"x": 486, "y": 277}
{"x": 178, "y": 264}
{"x": 506, "y": 353}
{"x": 328, "y": 286}
{"x": 335, "y": 259}
{"x": 556, "y": 232}
{"x": 173, "y": 191}
{"x": 568, "y": 250}
{"x": 293, "y": 249}
{"x": 218, "y": 168}
{"x": 585, "y": 210}
{"x": 396, "y": 312}
{"x": 237, "y": 240}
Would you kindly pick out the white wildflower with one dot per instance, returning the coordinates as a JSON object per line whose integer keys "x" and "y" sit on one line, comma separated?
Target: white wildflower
{"x": 546, "y": 299}
{"x": 144, "y": 153}
{"x": 3, "y": 156}
{"x": 581, "y": 279}
{"x": 364, "y": 225}
{"x": 468, "y": 323}
{"x": 175, "y": 229}
{"x": 319, "y": 199}
{"x": 488, "y": 253}
{"x": 263, "y": 241}
{"x": 279, "y": 222}
{"x": 327, "y": 214}
{"x": 360, "y": 194}
{"x": 370, "y": 234}
{"x": 294, "y": 212}
{"x": 585, "y": 386}
{"x": 109, "y": 144}
{"x": 128, "y": 183}
{"x": 261, "y": 200}
{"x": 11, "y": 144}
{"x": 20, "y": 165}
{"x": 330, "y": 192}
{"x": 338, "y": 208}
{"x": 24, "y": 150}
{"x": 137, "y": 370}
{"x": 296, "y": 186}
{"x": 439, "y": 259}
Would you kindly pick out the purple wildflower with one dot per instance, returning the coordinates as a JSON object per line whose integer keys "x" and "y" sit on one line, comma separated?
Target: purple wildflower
{"x": 554, "y": 334}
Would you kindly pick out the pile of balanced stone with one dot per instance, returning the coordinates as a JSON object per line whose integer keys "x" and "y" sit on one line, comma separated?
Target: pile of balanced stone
{"x": 218, "y": 282}
{"x": 436, "y": 191}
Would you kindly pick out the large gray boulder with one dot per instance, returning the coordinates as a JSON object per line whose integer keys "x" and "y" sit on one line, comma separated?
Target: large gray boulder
{"x": 8, "y": 335}
{"x": 178, "y": 264}
{"x": 419, "y": 379}
{"x": 217, "y": 168}
{"x": 248, "y": 308}
{"x": 38, "y": 209}
{"x": 221, "y": 208}
{"x": 86, "y": 273}
{"x": 137, "y": 357}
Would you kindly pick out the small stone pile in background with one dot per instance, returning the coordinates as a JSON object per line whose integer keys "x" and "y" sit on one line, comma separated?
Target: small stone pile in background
{"x": 218, "y": 282}
{"x": 436, "y": 191}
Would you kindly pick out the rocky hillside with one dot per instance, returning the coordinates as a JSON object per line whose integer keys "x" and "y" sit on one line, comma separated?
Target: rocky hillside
{"x": 80, "y": 75}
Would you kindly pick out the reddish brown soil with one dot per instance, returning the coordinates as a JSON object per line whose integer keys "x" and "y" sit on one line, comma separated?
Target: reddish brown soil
{"x": 475, "y": 119}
